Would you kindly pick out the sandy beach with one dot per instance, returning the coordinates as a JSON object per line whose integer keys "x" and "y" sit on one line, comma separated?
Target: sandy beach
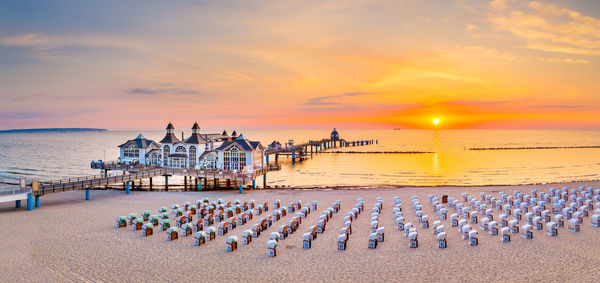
{"x": 70, "y": 239}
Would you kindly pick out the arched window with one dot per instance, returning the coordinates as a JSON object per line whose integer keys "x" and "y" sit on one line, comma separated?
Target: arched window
{"x": 166, "y": 152}
{"x": 234, "y": 159}
{"x": 180, "y": 149}
{"x": 192, "y": 156}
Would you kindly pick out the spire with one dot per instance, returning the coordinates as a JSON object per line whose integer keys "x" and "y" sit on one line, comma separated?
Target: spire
{"x": 234, "y": 134}
{"x": 195, "y": 128}
{"x": 170, "y": 128}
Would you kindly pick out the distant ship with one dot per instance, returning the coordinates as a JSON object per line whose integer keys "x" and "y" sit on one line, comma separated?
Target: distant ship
{"x": 397, "y": 129}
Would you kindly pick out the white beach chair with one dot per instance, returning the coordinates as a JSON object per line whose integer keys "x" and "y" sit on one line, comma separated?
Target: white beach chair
{"x": 505, "y": 234}
{"x": 473, "y": 240}
{"x": 373, "y": 241}
{"x": 272, "y": 248}
{"x": 574, "y": 225}
{"x": 442, "y": 244}
{"x": 493, "y": 228}
{"x": 413, "y": 240}
{"x": 231, "y": 243}
{"x": 527, "y": 231}
{"x": 551, "y": 229}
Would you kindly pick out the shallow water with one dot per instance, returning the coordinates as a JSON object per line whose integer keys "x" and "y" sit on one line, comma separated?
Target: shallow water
{"x": 448, "y": 161}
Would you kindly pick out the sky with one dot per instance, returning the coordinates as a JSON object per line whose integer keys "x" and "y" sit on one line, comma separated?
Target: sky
{"x": 129, "y": 65}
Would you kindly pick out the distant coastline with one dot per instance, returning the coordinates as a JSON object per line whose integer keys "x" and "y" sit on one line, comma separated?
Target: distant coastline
{"x": 52, "y": 130}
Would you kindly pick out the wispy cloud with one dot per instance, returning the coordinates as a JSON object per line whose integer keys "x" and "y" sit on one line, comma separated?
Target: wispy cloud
{"x": 566, "y": 60}
{"x": 38, "y": 41}
{"x": 331, "y": 99}
{"x": 556, "y": 106}
{"x": 492, "y": 53}
{"x": 549, "y": 27}
{"x": 160, "y": 91}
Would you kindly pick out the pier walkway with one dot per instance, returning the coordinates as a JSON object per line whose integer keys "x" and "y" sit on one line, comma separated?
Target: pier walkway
{"x": 194, "y": 179}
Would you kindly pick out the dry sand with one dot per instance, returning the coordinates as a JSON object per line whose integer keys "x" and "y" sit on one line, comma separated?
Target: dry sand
{"x": 70, "y": 239}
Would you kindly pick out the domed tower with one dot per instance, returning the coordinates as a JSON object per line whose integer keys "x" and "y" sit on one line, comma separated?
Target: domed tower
{"x": 167, "y": 144}
{"x": 335, "y": 135}
{"x": 170, "y": 136}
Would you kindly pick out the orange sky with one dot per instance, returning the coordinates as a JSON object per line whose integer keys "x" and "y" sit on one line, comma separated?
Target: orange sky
{"x": 263, "y": 64}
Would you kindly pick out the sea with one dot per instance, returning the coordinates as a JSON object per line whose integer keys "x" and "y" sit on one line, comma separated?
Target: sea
{"x": 398, "y": 158}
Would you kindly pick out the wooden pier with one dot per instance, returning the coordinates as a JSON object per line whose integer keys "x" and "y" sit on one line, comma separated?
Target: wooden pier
{"x": 194, "y": 179}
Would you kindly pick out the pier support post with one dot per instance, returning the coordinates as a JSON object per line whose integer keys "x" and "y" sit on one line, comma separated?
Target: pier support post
{"x": 37, "y": 201}
{"x": 228, "y": 183}
{"x": 29, "y": 201}
{"x": 215, "y": 181}
{"x": 185, "y": 183}
{"x": 206, "y": 182}
{"x": 151, "y": 183}
{"x": 253, "y": 183}
{"x": 267, "y": 160}
{"x": 127, "y": 185}
{"x": 376, "y": 141}
{"x": 87, "y": 194}
{"x": 293, "y": 157}
{"x": 276, "y": 157}
{"x": 199, "y": 182}
{"x": 241, "y": 188}
{"x": 166, "y": 182}
{"x": 265, "y": 181}
{"x": 17, "y": 203}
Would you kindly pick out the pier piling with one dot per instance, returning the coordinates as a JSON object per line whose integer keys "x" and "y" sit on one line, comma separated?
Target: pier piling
{"x": 17, "y": 203}
{"x": 265, "y": 181}
{"x": 127, "y": 185}
{"x": 241, "y": 188}
{"x": 253, "y": 183}
{"x": 37, "y": 201}
{"x": 87, "y": 194}
{"x": 29, "y": 201}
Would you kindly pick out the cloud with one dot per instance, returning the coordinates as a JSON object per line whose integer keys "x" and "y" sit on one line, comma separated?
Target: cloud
{"x": 492, "y": 53}
{"x": 477, "y": 102}
{"x": 566, "y": 60}
{"x": 548, "y": 27}
{"x": 160, "y": 91}
{"x": 500, "y": 4}
{"x": 556, "y": 106}
{"x": 470, "y": 27}
{"x": 49, "y": 42}
{"x": 331, "y": 99}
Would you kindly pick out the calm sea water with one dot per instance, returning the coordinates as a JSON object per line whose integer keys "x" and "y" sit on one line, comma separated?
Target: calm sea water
{"x": 57, "y": 155}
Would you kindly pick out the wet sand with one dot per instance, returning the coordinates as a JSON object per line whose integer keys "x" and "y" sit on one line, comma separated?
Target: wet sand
{"x": 70, "y": 239}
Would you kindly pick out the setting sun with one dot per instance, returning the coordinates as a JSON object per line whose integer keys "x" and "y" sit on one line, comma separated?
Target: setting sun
{"x": 436, "y": 121}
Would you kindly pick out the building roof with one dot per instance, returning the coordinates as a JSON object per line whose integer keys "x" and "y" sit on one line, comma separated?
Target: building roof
{"x": 196, "y": 139}
{"x": 275, "y": 143}
{"x": 170, "y": 126}
{"x": 207, "y": 153}
{"x": 242, "y": 143}
{"x": 170, "y": 138}
{"x": 140, "y": 142}
{"x": 196, "y": 126}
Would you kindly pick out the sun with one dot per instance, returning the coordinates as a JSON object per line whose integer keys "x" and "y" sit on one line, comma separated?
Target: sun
{"x": 436, "y": 121}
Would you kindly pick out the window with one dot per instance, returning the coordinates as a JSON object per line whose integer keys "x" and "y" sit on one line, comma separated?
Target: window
{"x": 234, "y": 159}
{"x": 166, "y": 152}
{"x": 131, "y": 152}
{"x": 192, "y": 156}
{"x": 180, "y": 149}
{"x": 211, "y": 162}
